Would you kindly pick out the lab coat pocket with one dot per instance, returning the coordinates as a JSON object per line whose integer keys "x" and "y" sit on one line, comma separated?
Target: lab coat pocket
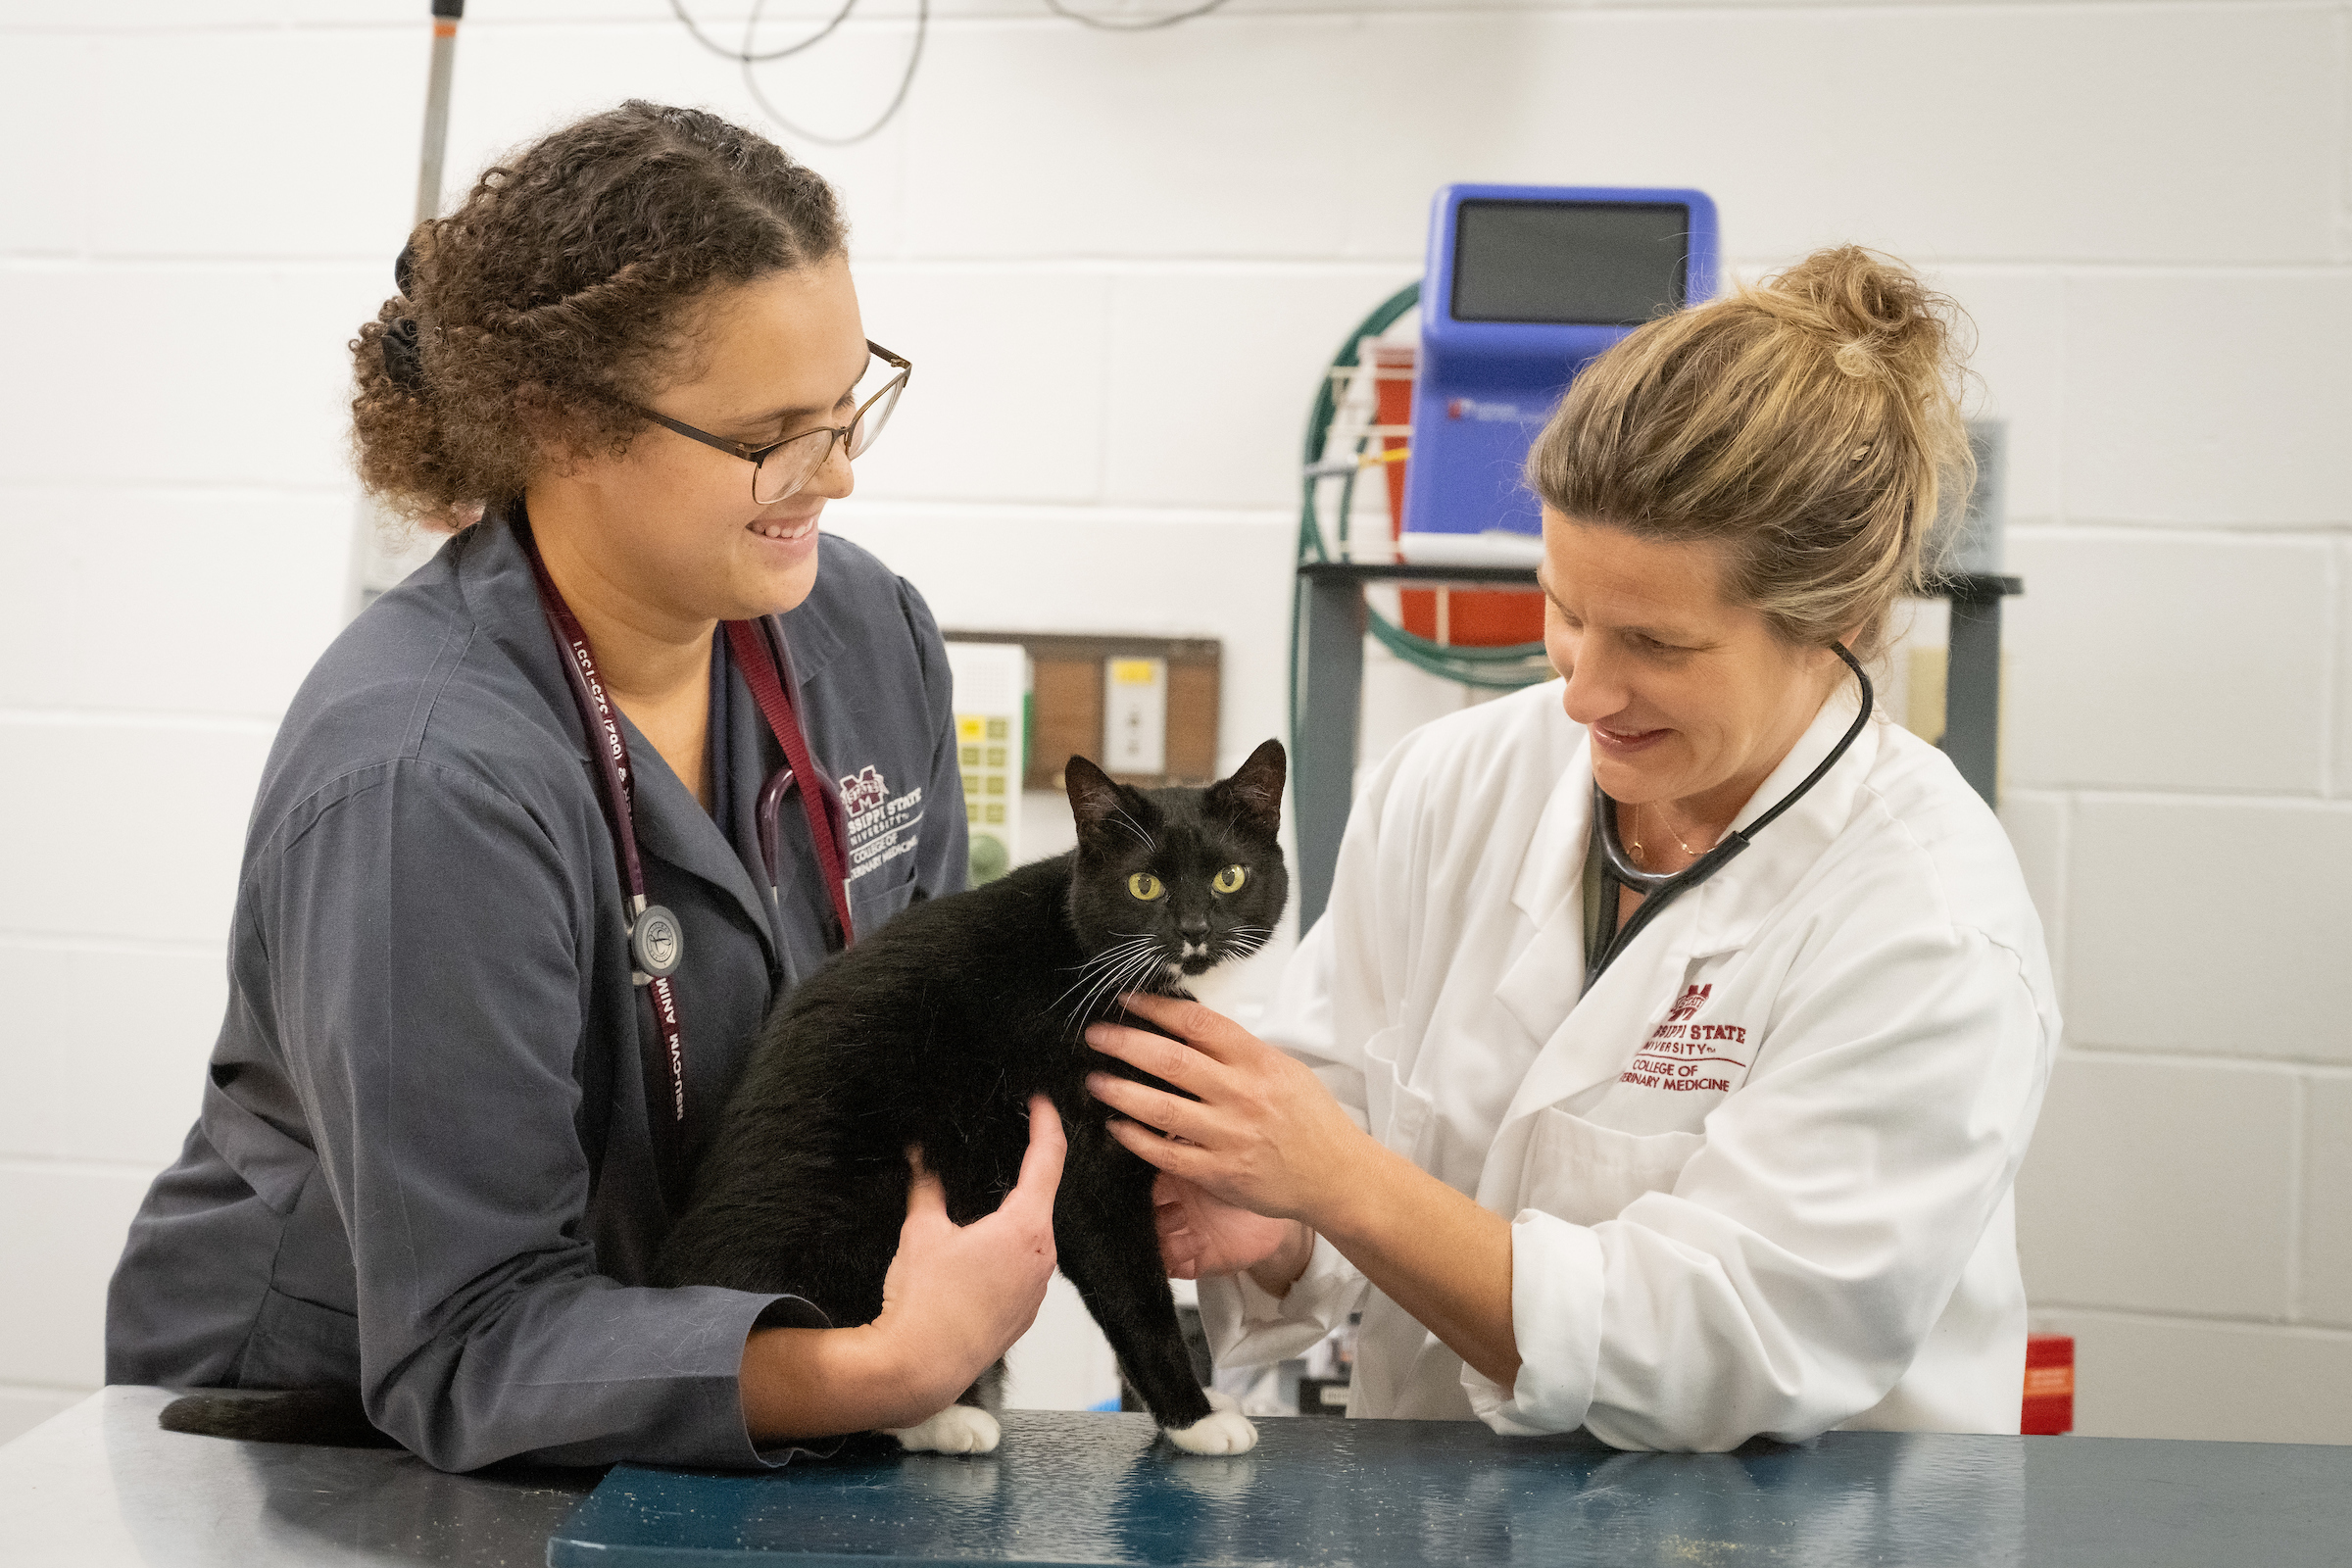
{"x": 1585, "y": 1174}
{"x": 881, "y": 893}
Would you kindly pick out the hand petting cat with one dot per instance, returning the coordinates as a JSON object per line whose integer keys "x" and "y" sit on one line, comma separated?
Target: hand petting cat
{"x": 1261, "y": 1133}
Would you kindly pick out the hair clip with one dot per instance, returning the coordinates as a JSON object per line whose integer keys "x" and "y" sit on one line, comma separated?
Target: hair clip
{"x": 404, "y": 363}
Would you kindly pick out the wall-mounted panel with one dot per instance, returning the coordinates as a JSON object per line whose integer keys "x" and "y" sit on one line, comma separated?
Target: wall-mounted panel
{"x": 1074, "y": 703}
{"x": 1019, "y": 570}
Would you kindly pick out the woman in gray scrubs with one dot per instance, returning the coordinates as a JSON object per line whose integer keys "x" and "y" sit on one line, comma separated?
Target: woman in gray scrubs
{"x": 441, "y": 1130}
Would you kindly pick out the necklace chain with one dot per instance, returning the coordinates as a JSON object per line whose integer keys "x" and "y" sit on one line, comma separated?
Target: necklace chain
{"x": 1633, "y": 844}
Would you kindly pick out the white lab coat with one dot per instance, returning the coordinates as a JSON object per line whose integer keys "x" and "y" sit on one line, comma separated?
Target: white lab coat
{"x": 1760, "y": 1177}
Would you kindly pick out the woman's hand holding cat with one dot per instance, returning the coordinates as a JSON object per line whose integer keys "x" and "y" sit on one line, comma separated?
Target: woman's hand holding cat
{"x": 954, "y": 1300}
{"x": 957, "y": 1296}
{"x": 1262, "y": 1132}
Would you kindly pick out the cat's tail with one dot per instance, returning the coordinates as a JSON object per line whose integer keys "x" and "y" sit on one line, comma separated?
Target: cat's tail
{"x": 331, "y": 1418}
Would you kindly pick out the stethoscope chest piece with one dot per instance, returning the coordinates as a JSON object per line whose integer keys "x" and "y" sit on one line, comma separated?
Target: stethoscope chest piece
{"x": 657, "y": 943}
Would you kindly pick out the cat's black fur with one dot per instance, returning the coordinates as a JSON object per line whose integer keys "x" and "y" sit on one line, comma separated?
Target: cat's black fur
{"x": 934, "y": 1032}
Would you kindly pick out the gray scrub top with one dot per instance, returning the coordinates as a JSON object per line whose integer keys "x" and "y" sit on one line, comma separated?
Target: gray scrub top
{"x": 422, "y": 1165}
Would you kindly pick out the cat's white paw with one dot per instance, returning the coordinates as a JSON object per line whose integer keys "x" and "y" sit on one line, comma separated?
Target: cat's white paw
{"x": 1224, "y": 1430}
{"x": 959, "y": 1428}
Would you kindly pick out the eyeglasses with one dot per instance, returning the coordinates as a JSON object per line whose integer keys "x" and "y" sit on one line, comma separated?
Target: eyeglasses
{"x": 782, "y": 468}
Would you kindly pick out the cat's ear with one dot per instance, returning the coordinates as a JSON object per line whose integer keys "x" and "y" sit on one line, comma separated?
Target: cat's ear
{"x": 1097, "y": 802}
{"x": 1253, "y": 796}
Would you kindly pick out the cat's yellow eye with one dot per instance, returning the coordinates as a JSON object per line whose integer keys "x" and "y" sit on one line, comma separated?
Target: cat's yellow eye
{"x": 1144, "y": 886}
{"x": 1230, "y": 879}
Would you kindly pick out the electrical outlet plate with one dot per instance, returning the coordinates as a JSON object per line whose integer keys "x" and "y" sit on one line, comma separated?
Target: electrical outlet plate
{"x": 1134, "y": 714}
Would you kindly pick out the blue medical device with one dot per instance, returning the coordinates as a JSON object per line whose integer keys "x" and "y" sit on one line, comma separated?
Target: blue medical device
{"x": 1526, "y": 284}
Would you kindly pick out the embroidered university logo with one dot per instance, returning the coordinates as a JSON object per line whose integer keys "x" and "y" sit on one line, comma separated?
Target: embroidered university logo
{"x": 882, "y": 826}
{"x": 1685, "y": 1056}
{"x": 1686, "y": 1005}
{"x": 861, "y": 791}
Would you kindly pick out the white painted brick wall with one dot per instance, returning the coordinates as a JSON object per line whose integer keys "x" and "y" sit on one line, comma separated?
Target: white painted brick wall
{"x": 1025, "y": 345}
{"x": 2211, "y": 925}
{"x": 2240, "y": 629}
{"x": 2100, "y": 1221}
{"x": 2324, "y": 1281}
{"x": 1119, "y": 262}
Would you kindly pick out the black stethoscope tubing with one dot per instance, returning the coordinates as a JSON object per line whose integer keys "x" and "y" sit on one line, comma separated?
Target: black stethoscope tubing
{"x": 1658, "y": 888}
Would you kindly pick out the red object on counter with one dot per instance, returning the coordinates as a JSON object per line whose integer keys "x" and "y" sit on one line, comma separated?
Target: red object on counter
{"x": 2050, "y": 1408}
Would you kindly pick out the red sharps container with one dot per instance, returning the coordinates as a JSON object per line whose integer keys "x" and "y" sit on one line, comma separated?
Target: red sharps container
{"x": 2050, "y": 1384}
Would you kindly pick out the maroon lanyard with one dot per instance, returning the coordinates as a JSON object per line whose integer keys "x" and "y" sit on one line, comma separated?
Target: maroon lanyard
{"x": 656, "y": 938}
{"x": 762, "y": 667}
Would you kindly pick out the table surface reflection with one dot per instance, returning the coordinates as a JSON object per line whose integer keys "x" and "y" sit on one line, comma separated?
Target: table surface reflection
{"x": 1101, "y": 1490}
{"x": 101, "y": 1486}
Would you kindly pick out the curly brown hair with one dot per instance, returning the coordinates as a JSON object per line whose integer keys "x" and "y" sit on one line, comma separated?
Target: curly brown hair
{"x": 1810, "y": 422}
{"x": 561, "y": 291}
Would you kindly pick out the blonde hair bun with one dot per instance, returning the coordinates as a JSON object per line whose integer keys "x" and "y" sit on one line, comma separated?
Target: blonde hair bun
{"x": 1811, "y": 423}
{"x": 1881, "y": 319}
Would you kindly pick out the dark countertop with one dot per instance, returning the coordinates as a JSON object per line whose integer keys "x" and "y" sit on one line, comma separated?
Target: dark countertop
{"x": 101, "y": 1486}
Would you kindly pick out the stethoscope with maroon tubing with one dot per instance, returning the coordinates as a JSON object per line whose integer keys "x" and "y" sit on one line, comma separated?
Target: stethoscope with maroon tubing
{"x": 656, "y": 941}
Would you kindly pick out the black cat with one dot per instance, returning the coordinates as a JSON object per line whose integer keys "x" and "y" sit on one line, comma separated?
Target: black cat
{"x": 935, "y": 1031}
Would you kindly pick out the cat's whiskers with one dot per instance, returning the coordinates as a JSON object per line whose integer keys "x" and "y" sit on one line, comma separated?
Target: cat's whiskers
{"x": 1106, "y": 963}
{"x": 1133, "y": 828}
{"x": 1244, "y": 941}
{"x": 1117, "y": 980}
{"x": 1110, "y": 958}
{"x": 1135, "y": 967}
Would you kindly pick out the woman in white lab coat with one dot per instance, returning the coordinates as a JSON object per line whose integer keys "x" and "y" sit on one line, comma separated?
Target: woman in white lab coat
{"x": 1756, "y": 1177}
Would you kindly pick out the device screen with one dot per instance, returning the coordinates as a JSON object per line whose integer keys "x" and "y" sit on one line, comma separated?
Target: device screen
{"x": 1586, "y": 264}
